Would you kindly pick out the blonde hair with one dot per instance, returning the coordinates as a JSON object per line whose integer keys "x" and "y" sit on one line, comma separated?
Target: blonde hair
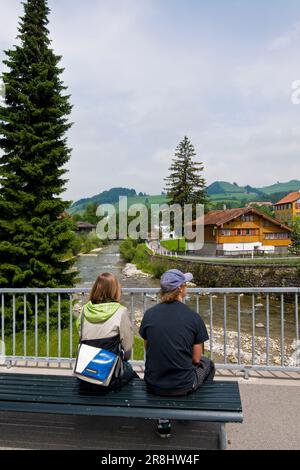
{"x": 106, "y": 288}
{"x": 169, "y": 297}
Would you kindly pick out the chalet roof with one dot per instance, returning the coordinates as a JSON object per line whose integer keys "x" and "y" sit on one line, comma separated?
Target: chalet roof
{"x": 221, "y": 217}
{"x": 292, "y": 197}
{"x": 81, "y": 224}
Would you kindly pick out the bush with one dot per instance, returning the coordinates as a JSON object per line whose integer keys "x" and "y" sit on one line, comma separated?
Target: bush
{"x": 158, "y": 268}
{"x": 85, "y": 243}
{"x": 128, "y": 249}
{"x": 135, "y": 252}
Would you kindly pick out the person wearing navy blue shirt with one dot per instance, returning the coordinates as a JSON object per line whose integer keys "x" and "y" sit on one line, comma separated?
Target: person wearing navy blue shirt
{"x": 174, "y": 336}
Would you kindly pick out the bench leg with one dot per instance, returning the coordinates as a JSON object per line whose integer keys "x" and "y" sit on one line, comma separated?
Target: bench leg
{"x": 223, "y": 437}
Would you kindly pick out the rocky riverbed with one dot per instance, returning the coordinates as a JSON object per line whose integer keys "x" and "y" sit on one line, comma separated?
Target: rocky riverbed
{"x": 131, "y": 270}
{"x": 292, "y": 351}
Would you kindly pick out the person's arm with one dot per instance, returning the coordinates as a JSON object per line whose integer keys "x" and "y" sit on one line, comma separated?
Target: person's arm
{"x": 197, "y": 353}
{"x": 145, "y": 344}
{"x": 126, "y": 335}
{"x": 201, "y": 336}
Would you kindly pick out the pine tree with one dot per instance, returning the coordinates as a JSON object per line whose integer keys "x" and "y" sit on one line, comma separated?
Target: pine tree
{"x": 294, "y": 249}
{"x": 34, "y": 237}
{"x": 185, "y": 185}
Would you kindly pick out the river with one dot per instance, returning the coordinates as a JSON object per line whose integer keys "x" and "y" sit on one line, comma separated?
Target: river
{"x": 109, "y": 260}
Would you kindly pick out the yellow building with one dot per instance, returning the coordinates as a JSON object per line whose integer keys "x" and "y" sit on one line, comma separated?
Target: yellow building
{"x": 242, "y": 230}
{"x": 288, "y": 208}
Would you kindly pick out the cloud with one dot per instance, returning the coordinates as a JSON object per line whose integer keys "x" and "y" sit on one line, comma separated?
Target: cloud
{"x": 286, "y": 39}
{"x": 10, "y": 10}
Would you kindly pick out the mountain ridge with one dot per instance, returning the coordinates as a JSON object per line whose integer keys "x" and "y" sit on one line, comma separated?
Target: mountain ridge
{"x": 218, "y": 191}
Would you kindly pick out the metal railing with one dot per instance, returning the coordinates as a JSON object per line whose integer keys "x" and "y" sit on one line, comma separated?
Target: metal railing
{"x": 253, "y": 328}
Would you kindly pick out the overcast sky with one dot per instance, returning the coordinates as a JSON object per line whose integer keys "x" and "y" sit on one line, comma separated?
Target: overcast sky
{"x": 145, "y": 73}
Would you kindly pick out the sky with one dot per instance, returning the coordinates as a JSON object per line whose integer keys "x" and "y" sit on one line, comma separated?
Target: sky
{"x": 145, "y": 73}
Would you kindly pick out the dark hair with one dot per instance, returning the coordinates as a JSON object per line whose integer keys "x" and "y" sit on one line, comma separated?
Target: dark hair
{"x": 105, "y": 289}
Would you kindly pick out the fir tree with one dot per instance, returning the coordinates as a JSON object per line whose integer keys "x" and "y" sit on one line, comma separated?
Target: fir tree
{"x": 294, "y": 249}
{"x": 185, "y": 185}
{"x": 34, "y": 236}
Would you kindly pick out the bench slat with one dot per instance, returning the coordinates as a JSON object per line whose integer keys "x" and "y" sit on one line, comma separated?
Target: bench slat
{"x": 223, "y": 406}
{"x": 152, "y": 413}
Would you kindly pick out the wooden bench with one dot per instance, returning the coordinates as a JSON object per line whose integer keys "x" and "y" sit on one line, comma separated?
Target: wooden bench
{"x": 218, "y": 402}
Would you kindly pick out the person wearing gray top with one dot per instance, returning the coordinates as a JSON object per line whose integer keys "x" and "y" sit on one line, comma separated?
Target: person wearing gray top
{"x": 106, "y": 324}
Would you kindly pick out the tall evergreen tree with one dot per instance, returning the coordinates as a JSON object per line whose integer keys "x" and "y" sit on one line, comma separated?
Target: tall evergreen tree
{"x": 33, "y": 122}
{"x": 185, "y": 185}
{"x": 294, "y": 249}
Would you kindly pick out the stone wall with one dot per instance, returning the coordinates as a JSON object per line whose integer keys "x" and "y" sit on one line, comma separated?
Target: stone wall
{"x": 214, "y": 275}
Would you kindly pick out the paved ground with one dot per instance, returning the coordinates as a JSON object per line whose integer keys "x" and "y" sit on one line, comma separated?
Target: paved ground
{"x": 271, "y": 421}
{"x": 271, "y": 415}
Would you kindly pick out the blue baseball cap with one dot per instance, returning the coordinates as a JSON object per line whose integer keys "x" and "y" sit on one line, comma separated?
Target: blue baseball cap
{"x": 174, "y": 278}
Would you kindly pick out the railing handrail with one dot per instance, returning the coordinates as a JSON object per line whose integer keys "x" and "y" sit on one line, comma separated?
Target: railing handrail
{"x": 136, "y": 290}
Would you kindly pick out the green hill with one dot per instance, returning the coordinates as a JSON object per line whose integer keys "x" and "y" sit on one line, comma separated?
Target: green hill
{"x": 106, "y": 197}
{"x": 293, "y": 185}
{"x": 222, "y": 187}
{"x": 112, "y": 197}
{"x": 222, "y": 191}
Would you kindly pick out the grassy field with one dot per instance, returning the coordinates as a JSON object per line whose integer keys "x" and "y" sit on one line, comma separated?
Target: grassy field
{"x": 230, "y": 197}
{"x": 174, "y": 245}
{"x": 53, "y": 344}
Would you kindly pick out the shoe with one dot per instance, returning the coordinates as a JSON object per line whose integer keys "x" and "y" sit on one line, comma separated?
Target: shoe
{"x": 163, "y": 428}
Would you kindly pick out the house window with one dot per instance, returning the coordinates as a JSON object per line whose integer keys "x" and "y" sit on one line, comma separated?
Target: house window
{"x": 244, "y": 232}
{"x": 247, "y": 218}
{"x": 225, "y": 232}
{"x": 276, "y": 236}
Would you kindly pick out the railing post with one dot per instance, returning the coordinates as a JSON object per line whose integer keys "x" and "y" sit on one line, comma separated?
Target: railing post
{"x": 2, "y": 320}
{"x": 47, "y": 328}
{"x": 25, "y": 325}
{"x": 282, "y": 349}
{"x": 36, "y": 330}
{"x": 71, "y": 326}
{"x": 225, "y": 328}
{"x": 268, "y": 329}
{"x": 59, "y": 327}
{"x": 239, "y": 330}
